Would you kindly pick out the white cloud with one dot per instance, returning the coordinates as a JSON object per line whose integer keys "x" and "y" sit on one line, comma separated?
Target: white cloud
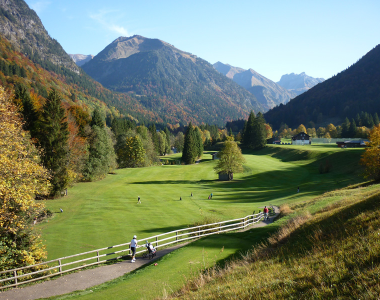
{"x": 39, "y": 6}
{"x": 102, "y": 17}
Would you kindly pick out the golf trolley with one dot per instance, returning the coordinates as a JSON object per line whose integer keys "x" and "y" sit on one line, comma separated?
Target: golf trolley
{"x": 151, "y": 251}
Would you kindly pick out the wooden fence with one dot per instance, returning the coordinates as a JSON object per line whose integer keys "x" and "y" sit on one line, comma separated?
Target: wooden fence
{"x": 16, "y": 277}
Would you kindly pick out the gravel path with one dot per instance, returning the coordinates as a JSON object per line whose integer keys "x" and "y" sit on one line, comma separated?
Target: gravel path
{"x": 92, "y": 277}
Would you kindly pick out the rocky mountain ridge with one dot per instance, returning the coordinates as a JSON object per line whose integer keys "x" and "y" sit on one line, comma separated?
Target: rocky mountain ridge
{"x": 267, "y": 92}
{"x": 81, "y": 59}
{"x": 298, "y": 83}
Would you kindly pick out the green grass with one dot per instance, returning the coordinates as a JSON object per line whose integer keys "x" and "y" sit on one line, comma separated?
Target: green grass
{"x": 106, "y": 213}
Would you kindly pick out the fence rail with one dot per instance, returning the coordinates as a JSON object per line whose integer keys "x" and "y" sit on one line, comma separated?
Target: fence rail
{"x": 19, "y": 276}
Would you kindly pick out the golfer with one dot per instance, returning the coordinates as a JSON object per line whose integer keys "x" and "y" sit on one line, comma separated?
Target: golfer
{"x": 133, "y": 248}
{"x": 265, "y": 213}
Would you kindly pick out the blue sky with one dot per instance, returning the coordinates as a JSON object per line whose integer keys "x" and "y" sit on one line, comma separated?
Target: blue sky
{"x": 321, "y": 38}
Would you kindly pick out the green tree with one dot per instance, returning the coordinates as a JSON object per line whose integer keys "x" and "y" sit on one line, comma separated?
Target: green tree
{"x": 376, "y": 119}
{"x": 53, "y": 138}
{"x": 346, "y": 128}
{"x": 97, "y": 119}
{"x": 259, "y": 139}
{"x": 353, "y": 129}
{"x": 179, "y": 141}
{"x": 102, "y": 157}
{"x": 190, "y": 151}
{"x": 248, "y": 131}
{"x": 198, "y": 142}
{"x": 131, "y": 153}
{"x": 231, "y": 159}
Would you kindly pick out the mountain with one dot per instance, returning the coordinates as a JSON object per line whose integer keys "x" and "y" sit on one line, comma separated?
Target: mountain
{"x": 24, "y": 29}
{"x": 171, "y": 82}
{"x": 267, "y": 92}
{"x": 81, "y": 59}
{"x": 298, "y": 83}
{"x": 348, "y": 93}
{"x": 31, "y": 58}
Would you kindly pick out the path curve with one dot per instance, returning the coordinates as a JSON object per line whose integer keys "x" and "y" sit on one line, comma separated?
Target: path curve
{"x": 88, "y": 278}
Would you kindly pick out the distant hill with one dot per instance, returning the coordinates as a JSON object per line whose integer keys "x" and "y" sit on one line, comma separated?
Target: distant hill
{"x": 298, "y": 83}
{"x": 267, "y": 92}
{"x": 81, "y": 59}
{"x": 175, "y": 84}
{"x": 353, "y": 90}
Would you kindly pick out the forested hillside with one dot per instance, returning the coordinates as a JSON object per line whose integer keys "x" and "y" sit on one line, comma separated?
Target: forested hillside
{"x": 353, "y": 90}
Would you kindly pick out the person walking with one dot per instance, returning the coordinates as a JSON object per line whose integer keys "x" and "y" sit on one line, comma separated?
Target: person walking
{"x": 133, "y": 248}
{"x": 298, "y": 189}
{"x": 138, "y": 199}
{"x": 265, "y": 213}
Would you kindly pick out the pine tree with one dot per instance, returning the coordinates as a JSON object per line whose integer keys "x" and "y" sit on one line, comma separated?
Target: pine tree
{"x": 30, "y": 115}
{"x": 53, "y": 138}
{"x": 153, "y": 132}
{"x": 346, "y": 128}
{"x": 259, "y": 138}
{"x": 97, "y": 119}
{"x": 102, "y": 157}
{"x": 248, "y": 131}
{"x": 352, "y": 129}
{"x": 189, "y": 153}
{"x": 198, "y": 142}
{"x": 376, "y": 120}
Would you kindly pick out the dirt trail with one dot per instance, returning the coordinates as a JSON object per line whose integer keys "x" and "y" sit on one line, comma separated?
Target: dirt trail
{"x": 92, "y": 277}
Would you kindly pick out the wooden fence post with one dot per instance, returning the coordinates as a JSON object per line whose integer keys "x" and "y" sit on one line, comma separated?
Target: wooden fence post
{"x": 15, "y": 275}
{"x": 176, "y": 235}
{"x": 98, "y": 258}
{"x": 60, "y": 266}
{"x": 156, "y": 241}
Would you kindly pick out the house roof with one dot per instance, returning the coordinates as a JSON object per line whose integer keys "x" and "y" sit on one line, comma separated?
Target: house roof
{"x": 301, "y": 136}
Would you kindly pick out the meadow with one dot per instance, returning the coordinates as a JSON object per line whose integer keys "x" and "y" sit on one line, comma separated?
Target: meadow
{"x": 106, "y": 212}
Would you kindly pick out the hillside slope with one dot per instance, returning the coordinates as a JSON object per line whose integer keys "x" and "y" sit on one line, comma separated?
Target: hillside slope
{"x": 168, "y": 80}
{"x": 331, "y": 254}
{"x": 267, "y": 92}
{"x": 353, "y": 90}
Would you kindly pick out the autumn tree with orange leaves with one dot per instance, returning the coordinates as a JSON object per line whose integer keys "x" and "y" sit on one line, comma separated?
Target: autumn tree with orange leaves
{"x": 371, "y": 156}
{"x": 21, "y": 178}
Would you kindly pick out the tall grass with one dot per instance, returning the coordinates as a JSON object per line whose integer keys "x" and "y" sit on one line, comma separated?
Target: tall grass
{"x": 332, "y": 254}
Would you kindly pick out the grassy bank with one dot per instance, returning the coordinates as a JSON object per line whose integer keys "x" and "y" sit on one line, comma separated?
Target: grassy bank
{"x": 331, "y": 254}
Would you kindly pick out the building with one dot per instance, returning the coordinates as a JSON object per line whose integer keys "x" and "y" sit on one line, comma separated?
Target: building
{"x": 301, "y": 138}
{"x": 274, "y": 140}
{"x": 352, "y": 144}
{"x": 226, "y": 176}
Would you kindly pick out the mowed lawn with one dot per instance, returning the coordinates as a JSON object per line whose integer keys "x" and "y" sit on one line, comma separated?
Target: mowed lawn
{"x": 106, "y": 213}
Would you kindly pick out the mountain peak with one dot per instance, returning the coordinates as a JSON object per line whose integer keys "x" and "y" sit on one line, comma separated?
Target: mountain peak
{"x": 298, "y": 83}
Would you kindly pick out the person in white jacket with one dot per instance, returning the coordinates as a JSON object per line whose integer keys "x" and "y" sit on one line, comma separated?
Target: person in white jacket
{"x": 133, "y": 248}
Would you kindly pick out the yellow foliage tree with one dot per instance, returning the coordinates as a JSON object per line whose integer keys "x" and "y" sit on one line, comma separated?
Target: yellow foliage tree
{"x": 301, "y": 128}
{"x": 21, "y": 178}
{"x": 371, "y": 157}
